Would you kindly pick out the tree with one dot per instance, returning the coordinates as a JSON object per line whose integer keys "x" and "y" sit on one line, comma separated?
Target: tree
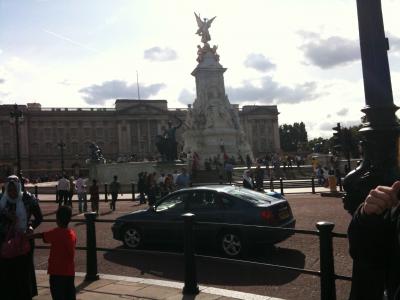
{"x": 292, "y": 136}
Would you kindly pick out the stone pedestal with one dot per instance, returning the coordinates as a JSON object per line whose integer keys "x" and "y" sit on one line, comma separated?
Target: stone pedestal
{"x": 213, "y": 123}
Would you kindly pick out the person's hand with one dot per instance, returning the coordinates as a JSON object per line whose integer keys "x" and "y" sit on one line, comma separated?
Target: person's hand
{"x": 381, "y": 198}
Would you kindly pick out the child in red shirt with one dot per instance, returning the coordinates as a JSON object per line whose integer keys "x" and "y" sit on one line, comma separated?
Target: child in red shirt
{"x": 61, "y": 267}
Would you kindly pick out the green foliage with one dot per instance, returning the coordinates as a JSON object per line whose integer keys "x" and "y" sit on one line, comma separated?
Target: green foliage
{"x": 292, "y": 136}
{"x": 349, "y": 141}
{"x": 319, "y": 145}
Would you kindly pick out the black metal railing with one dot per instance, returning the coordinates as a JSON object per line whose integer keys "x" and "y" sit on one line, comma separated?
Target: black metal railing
{"x": 282, "y": 184}
{"x": 324, "y": 232}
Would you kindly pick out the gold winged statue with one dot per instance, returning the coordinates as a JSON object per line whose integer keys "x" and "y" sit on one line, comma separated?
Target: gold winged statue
{"x": 203, "y": 28}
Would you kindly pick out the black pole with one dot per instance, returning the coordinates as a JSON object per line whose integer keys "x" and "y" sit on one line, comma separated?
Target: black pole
{"x": 281, "y": 185}
{"x": 340, "y": 182}
{"x": 313, "y": 185}
{"x": 133, "y": 191}
{"x": 57, "y": 194}
{"x": 105, "y": 193}
{"x": 36, "y": 192}
{"x": 91, "y": 252}
{"x": 3, "y": 189}
{"x": 191, "y": 287}
{"x": 328, "y": 289}
{"x": 380, "y": 129}
{"x": 271, "y": 184}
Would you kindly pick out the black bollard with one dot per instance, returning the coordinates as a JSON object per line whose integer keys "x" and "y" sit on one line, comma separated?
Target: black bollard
{"x": 340, "y": 183}
{"x": 105, "y": 193}
{"x": 191, "y": 287}
{"x": 271, "y": 185}
{"x": 36, "y": 192}
{"x": 313, "y": 185}
{"x": 56, "y": 193}
{"x": 133, "y": 191}
{"x": 91, "y": 251}
{"x": 327, "y": 268}
{"x": 281, "y": 184}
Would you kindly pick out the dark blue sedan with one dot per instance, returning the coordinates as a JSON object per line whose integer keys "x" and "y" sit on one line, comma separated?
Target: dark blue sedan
{"x": 220, "y": 213}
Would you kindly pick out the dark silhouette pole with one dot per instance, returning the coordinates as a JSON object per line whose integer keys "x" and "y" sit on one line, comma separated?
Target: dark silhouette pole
{"x": 380, "y": 132}
{"x": 380, "y": 129}
{"x": 61, "y": 145}
{"x": 16, "y": 114}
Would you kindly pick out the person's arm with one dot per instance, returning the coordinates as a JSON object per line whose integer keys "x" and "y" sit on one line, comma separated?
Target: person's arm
{"x": 371, "y": 229}
{"x": 36, "y": 212}
{"x": 38, "y": 235}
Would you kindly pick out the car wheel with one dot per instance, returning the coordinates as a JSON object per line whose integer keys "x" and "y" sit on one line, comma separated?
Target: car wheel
{"x": 132, "y": 238}
{"x": 231, "y": 244}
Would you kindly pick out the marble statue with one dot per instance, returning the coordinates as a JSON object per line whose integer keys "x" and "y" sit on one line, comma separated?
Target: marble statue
{"x": 203, "y": 28}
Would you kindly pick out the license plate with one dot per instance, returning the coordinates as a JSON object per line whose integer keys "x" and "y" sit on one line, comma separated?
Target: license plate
{"x": 283, "y": 214}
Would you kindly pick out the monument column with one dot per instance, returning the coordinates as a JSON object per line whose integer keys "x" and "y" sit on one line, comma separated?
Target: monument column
{"x": 212, "y": 121}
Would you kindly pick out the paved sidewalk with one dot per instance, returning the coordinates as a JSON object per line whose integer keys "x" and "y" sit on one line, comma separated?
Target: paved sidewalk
{"x": 112, "y": 287}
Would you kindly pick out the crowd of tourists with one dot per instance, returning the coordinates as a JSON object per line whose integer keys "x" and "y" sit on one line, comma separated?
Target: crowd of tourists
{"x": 152, "y": 186}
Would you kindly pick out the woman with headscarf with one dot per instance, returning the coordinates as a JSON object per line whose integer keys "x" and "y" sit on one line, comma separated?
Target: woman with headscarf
{"x": 17, "y": 272}
{"x": 248, "y": 182}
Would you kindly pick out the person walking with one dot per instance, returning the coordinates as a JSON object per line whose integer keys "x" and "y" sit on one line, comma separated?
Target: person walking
{"x": 17, "y": 273}
{"x": 142, "y": 187}
{"x": 228, "y": 171}
{"x": 61, "y": 266}
{"x": 63, "y": 187}
{"x": 115, "y": 188}
{"x": 151, "y": 189}
{"x": 248, "y": 182}
{"x": 94, "y": 196}
{"x": 259, "y": 176}
{"x": 71, "y": 190}
{"x": 183, "y": 180}
{"x": 80, "y": 187}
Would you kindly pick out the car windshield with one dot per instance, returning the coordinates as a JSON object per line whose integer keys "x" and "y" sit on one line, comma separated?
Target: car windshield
{"x": 173, "y": 202}
{"x": 249, "y": 195}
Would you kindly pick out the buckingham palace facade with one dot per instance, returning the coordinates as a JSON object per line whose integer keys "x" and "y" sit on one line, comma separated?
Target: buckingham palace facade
{"x": 129, "y": 128}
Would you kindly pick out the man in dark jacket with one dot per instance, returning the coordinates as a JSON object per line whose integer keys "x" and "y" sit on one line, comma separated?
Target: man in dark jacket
{"x": 374, "y": 236}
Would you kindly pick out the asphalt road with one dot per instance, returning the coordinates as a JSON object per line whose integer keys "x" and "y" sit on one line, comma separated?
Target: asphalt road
{"x": 300, "y": 251}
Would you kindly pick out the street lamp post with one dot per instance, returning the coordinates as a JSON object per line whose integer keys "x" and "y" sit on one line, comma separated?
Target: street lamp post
{"x": 16, "y": 114}
{"x": 380, "y": 131}
{"x": 62, "y": 145}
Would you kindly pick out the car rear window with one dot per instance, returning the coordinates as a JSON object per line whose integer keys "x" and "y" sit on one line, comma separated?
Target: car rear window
{"x": 252, "y": 196}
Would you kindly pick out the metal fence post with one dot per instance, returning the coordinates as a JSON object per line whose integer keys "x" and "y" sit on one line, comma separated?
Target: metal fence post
{"x": 340, "y": 183}
{"x": 281, "y": 184}
{"x": 133, "y": 191}
{"x": 91, "y": 251}
{"x": 328, "y": 289}
{"x": 57, "y": 194}
{"x": 313, "y": 185}
{"x": 105, "y": 193}
{"x": 36, "y": 192}
{"x": 191, "y": 287}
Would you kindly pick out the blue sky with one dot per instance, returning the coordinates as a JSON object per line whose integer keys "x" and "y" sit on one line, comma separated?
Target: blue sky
{"x": 300, "y": 55}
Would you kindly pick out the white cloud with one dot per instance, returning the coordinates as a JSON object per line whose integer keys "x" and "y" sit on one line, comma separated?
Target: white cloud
{"x": 259, "y": 62}
{"x": 98, "y": 94}
{"x": 330, "y": 52}
{"x": 160, "y": 54}
{"x": 343, "y": 112}
{"x": 186, "y": 97}
{"x": 272, "y": 92}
